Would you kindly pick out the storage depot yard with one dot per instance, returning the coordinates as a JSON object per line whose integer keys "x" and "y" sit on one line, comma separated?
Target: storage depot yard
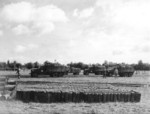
{"x": 139, "y": 82}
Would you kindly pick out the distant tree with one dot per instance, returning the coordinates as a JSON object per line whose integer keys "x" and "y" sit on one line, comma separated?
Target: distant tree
{"x": 140, "y": 62}
{"x": 29, "y": 65}
{"x": 141, "y": 66}
{"x": 19, "y": 65}
{"x": 46, "y": 62}
{"x": 105, "y": 63}
{"x": 36, "y": 65}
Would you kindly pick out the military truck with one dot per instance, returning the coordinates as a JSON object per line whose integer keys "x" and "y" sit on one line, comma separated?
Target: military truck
{"x": 51, "y": 69}
{"x": 108, "y": 71}
{"x": 97, "y": 70}
{"x": 74, "y": 70}
{"x": 123, "y": 70}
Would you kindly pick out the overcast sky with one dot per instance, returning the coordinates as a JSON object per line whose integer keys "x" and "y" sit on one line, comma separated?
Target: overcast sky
{"x": 90, "y": 31}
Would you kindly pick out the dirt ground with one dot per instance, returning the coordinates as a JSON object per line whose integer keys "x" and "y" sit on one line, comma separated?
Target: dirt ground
{"x": 143, "y": 107}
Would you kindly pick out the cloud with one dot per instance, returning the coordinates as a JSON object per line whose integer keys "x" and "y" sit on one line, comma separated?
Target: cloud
{"x": 128, "y": 16}
{"x": 141, "y": 49}
{"x": 50, "y": 13}
{"x": 117, "y": 52}
{"x": 38, "y": 17}
{"x": 18, "y": 12}
{"x": 22, "y": 48}
{"x": 21, "y": 29}
{"x": 146, "y": 49}
{"x": 134, "y": 14}
{"x": 93, "y": 33}
{"x": 1, "y": 32}
{"x": 85, "y": 13}
{"x": 32, "y": 46}
{"x": 27, "y": 12}
{"x": 44, "y": 27}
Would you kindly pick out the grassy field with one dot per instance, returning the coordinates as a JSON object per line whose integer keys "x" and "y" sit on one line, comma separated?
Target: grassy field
{"x": 143, "y": 107}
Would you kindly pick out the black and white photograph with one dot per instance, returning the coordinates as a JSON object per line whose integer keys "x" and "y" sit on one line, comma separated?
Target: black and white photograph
{"x": 74, "y": 56}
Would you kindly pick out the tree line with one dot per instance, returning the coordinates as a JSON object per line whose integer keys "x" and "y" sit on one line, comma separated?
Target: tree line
{"x": 14, "y": 65}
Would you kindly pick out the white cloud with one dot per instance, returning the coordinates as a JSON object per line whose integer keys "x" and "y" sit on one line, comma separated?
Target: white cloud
{"x": 44, "y": 27}
{"x": 134, "y": 14}
{"x": 109, "y": 4}
{"x": 141, "y": 49}
{"x": 94, "y": 34}
{"x": 21, "y": 29}
{"x": 128, "y": 16}
{"x": 84, "y": 13}
{"x": 38, "y": 17}
{"x": 49, "y": 13}
{"x": 18, "y": 12}
{"x": 1, "y": 32}
{"x": 27, "y": 12}
{"x": 32, "y": 46}
{"x": 146, "y": 49}
{"x": 22, "y": 48}
{"x": 117, "y": 52}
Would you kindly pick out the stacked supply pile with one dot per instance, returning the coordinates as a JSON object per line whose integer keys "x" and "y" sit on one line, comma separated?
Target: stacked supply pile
{"x": 74, "y": 92}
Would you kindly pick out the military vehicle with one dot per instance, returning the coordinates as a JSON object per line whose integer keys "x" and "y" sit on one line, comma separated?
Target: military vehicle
{"x": 125, "y": 70}
{"x": 108, "y": 71}
{"x": 51, "y": 69}
{"x": 97, "y": 70}
{"x": 74, "y": 70}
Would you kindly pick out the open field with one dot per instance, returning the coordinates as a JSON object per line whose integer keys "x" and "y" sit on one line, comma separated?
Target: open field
{"x": 143, "y": 107}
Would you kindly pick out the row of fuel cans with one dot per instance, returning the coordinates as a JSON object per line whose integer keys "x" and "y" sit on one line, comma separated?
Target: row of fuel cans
{"x": 102, "y": 96}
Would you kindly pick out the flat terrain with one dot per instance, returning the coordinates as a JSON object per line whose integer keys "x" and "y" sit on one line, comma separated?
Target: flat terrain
{"x": 142, "y": 79}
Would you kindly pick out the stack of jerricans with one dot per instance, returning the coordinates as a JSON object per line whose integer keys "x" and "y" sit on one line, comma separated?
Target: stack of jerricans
{"x": 74, "y": 92}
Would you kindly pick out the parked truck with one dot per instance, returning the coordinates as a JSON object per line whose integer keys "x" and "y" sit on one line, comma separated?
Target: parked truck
{"x": 74, "y": 70}
{"x": 51, "y": 69}
{"x": 109, "y": 71}
{"x": 123, "y": 70}
{"x": 97, "y": 70}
